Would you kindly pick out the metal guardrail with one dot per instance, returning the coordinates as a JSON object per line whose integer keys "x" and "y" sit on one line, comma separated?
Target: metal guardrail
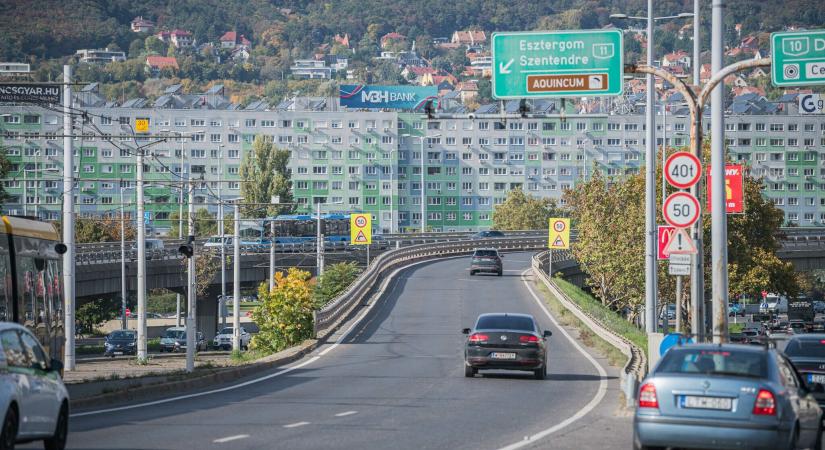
{"x": 339, "y": 309}
{"x": 636, "y": 365}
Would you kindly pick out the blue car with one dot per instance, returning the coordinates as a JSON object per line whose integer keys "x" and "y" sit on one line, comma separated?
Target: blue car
{"x": 726, "y": 396}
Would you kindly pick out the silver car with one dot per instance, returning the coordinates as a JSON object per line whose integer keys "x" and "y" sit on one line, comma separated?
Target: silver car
{"x": 34, "y": 402}
{"x": 726, "y": 396}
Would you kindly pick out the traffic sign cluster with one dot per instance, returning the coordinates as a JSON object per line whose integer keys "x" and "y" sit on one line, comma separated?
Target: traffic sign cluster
{"x": 681, "y": 210}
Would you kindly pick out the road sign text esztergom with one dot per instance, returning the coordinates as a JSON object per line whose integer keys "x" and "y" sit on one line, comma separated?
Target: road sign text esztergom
{"x": 557, "y": 64}
{"x": 798, "y": 58}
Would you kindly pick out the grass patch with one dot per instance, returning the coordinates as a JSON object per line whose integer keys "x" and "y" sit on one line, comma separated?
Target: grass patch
{"x": 241, "y": 357}
{"x": 736, "y": 327}
{"x": 610, "y": 319}
{"x": 567, "y": 318}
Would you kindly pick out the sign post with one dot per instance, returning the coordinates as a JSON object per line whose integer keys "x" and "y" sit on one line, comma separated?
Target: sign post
{"x": 558, "y": 238}
{"x": 798, "y": 58}
{"x": 360, "y": 231}
{"x": 557, "y": 64}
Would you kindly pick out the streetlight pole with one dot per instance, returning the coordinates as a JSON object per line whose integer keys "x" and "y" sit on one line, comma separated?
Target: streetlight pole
{"x": 123, "y": 260}
{"x": 191, "y": 301}
{"x": 650, "y": 186}
{"x": 141, "y": 267}
{"x": 697, "y": 53}
{"x": 423, "y": 190}
{"x": 718, "y": 220}
{"x": 236, "y": 285}
{"x": 222, "y": 303}
{"x": 68, "y": 221}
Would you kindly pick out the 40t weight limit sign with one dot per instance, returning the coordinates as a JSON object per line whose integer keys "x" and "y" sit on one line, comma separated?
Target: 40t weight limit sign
{"x": 683, "y": 170}
{"x": 681, "y": 210}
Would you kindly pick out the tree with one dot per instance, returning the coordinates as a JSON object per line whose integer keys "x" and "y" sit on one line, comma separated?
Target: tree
{"x": 136, "y": 48}
{"x": 4, "y": 170}
{"x": 205, "y": 223}
{"x": 102, "y": 229}
{"x": 608, "y": 215}
{"x": 92, "y": 314}
{"x": 523, "y": 212}
{"x": 335, "y": 279}
{"x": 264, "y": 174}
{"x": 155, "y": 46}
{"x": 284, "y": 315}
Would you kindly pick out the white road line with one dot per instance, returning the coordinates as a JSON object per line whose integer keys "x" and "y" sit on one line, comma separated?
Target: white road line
{"x": 296, "y": 424}
{"x": 309, "y": 361}
{"x": 529, "y": 440}
{"x": 230, "y": 438}
{"x": 346, "y": 413}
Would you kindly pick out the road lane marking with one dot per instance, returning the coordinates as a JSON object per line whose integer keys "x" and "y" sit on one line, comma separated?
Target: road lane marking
{"x": 346, "y": 413}
{"x": 230, "y": 438}
{"x": 296, "y": 424}
{"x": 309, "y": 361}
{"x": 600, "y": 393}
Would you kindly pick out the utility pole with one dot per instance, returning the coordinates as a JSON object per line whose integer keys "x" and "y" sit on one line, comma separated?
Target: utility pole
{"x": 122, "y": 260}
{"x": 271, "y": 254}
{"x": 141, "y": 268}
{"x": 68, "y": 220}
{"x": 319, "y": 240}
{"x": 718, "y": 219}
{"x": 423, "y": 192}
{"x": 236, "y": 282}
{"x": 191, "y": 300}
{"x": 697, "y": 53}
{"x": 650, "y": 186}
{"x": 222, "y": 303}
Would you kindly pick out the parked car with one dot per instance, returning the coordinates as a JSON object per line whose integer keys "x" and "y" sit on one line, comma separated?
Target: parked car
{"x": 807, "y": 353}
{"x": 223, "y": 339}
{"x": 487, "y": 234}
{"x": 174, "y": 340}
{"x": 486, "y": 260}
{"x": 725, "y": 396}
{"x": 819, "y": 307}
{"x": 797, "y": 327}
{"x": 670, "y": 310}
{"x": 774, "y": 303}
{"x": 34, "y": 401}
{"x": 506, "y": 341}
{"x": 215, "y": 241}
{"x": 120, "y": 342}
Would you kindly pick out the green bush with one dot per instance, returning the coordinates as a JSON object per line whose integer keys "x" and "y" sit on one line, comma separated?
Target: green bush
{"x": 334, "y": 281}
{"x": 284, "y": 315}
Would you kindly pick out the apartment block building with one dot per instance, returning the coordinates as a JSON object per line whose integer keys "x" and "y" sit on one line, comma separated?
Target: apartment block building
{"x": 382, "y": 162}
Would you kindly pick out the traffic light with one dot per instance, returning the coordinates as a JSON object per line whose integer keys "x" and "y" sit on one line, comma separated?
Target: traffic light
{"x": 187, "y": 249}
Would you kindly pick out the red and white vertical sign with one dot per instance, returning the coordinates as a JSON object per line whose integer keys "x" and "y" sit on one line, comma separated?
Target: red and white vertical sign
{"x": 734, "y": 189}
{"x": 665, "y": 232}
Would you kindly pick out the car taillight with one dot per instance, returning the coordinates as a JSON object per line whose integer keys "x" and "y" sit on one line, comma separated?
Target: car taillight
{"x": 528, "y": 338}
{"x": 647, "y": 396}
{"x": 478, "y": 338}
{"x": 765, "y": 404}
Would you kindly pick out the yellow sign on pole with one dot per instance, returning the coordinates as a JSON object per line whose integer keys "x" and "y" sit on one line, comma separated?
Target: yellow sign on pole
{"x": 142, "y": 125}
{"x": 360, "y": 229}
{"x": 559, "y": 238}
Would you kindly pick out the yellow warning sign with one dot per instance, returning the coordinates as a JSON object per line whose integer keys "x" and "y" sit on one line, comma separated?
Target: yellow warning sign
{"x": 559, "y": 238}
{"x": 360, "y": 229}
{"x": 142, "y": 125}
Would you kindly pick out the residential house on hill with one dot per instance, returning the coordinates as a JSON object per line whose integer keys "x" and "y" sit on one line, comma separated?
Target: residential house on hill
{"x": 468, "y": 90}
{"x": 98, "y": 56}
{"x": 178, "y": 38}
{"x": 343, "y": 40}
{"x": 679, "y": 58}
{"x": 392, "y": 37}
{"x": 469, "y": 38}
{"x": 141, "y": 25}
{"x": 231, "y": 39}
{"x": 154, "y": 64}
{"x": 311, "y": 69}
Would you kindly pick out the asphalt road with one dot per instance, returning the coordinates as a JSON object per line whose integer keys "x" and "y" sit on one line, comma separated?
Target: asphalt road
{"x": 395, "y": 381}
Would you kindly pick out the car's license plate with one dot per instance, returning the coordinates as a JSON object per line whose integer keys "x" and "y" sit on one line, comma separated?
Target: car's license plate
{"x": 816, "y": 378}
{"x": 118, "y": 353}
{"x": 699, "y": 402}
{"x": 499, "y": 355}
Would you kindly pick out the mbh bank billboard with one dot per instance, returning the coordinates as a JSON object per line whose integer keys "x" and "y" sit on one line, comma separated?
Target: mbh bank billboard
{"x": 361, "y": 96}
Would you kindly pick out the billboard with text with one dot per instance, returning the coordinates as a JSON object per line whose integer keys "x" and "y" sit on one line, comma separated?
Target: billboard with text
{"x": 363, "y": 96}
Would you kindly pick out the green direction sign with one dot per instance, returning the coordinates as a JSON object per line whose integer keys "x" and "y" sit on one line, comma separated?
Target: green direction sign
{"x": 557, "y": 64}
{"x": 798, "y": 58}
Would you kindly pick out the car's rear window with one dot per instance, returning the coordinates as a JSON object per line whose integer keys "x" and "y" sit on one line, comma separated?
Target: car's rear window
{"x": 806, "y": 348}
{"x": 122, "y": 335}
{"x": 480, "y": 253}
{"x": 505, "y": 323}
{"x": 714, "y": 362}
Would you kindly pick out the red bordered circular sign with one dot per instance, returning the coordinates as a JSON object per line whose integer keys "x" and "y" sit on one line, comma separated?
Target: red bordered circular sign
{"x": 681, "y": 209}
{"x": 682, "y": 170}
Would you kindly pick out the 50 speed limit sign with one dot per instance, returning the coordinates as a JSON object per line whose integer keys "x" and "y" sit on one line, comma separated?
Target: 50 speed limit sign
{"x": 681, "y": 210}
{"x": 682, "y": 170}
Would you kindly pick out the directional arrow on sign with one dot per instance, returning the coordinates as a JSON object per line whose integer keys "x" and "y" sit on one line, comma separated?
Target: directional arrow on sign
{"x": 505, "y": 68}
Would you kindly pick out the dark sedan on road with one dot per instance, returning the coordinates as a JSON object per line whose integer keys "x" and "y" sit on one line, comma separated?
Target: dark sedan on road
{"x": 725, "y": 396}
{"x": 120, "y": 342}
{"x": 807, "y": 353}
{"x": 486, "y": 260}
{"x": 506, "y": 341}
